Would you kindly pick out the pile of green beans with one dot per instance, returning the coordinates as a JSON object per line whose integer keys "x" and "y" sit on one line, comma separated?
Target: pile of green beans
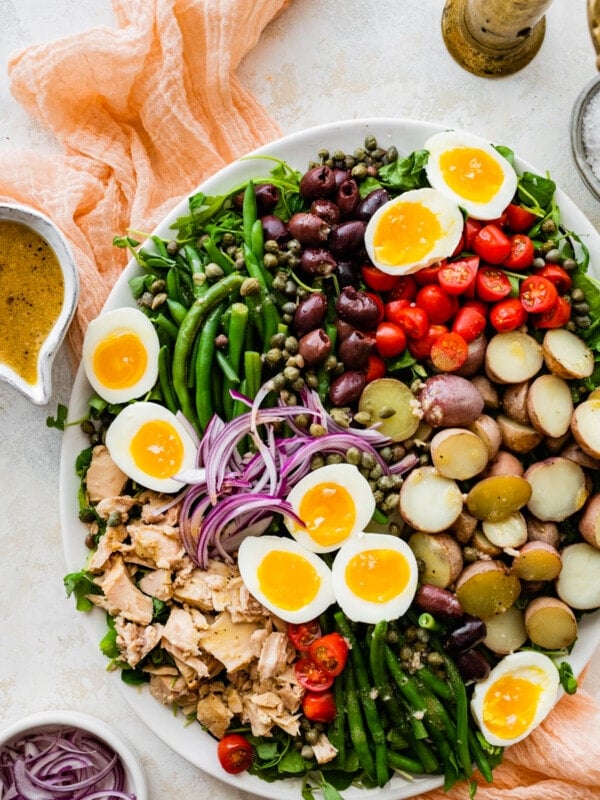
{"x": 395, "y": 719}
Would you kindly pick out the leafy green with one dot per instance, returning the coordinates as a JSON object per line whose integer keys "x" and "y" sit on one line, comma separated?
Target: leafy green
{"x": 536, "y": 192}
{"x": 81, "y": 584}
{"x": 567, "y": 680}
{"x": 60, "y": 419}
{"x": 405, "y": 173}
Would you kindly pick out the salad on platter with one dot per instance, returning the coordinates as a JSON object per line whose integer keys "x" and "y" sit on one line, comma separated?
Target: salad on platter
{"x": 340, "y": 483}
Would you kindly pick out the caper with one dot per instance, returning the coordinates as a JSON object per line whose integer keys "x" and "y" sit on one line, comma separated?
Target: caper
{"x": 214, "y": 272}
{"x": 317, "y": 461}
{"x": 569, "y": 264}
{"x": 370, "y": 142}
{"x": 577, "y": 295}
{"x": 359, "y": 171}
{"x": 548, "y": 226}
{"x": 172, "y": 247}
{"x": 554, "y": 256}
{"x": 538, "y": 262}
{"x": 353, "y": 456}
{"x": 270, "y": 260}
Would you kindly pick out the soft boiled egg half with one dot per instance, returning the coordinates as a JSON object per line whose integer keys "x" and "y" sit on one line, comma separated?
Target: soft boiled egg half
{"x": 120, "y": 354}
{"x": 151, "y": 446}
{"x": 335, "y": 502}
{"x": 412, "y": 231}
{"x": 471, "y": 172}
{"x": 374, "y": 577}
{"x": 288, "y": 580}
{"x": 515, "y": 697}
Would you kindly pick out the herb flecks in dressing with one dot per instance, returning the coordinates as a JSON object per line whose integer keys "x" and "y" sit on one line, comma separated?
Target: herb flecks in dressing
{"x": 31, "y": 296}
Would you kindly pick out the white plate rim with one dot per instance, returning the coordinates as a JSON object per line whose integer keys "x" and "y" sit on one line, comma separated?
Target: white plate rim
{"x": 191, "y": 743}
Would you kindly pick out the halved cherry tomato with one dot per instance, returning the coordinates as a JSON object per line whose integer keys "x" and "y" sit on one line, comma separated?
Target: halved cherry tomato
{"x": 469, "y": 323}
{"x": 479, "y": 306}
{"x": 428, "y": 275}
{"x": 412, "y": 319}
{"x": 330, "y": 653}
{"x": 421, "y": 348}
{"x": 521, "y": 253}
{"x": 537, "y": 294}
{"x": 556, "y": 275}
{"x": 392, "y": 307}
{"x": 555, "y": 317}
{"x": 390, "y": 339}
{"x": 492, "y": 244}
{"x": 312, "y": 676}
{"x": 507, "y": 315}
{"x": 405, "y": 288}
{"x": 375, "y": 368}
{"x": 374, "y": 278}
{"x": 437, "y": 303}
{"x": 492, "y": 284}
{"x": 457, "y": 277}
{"x": 319, "y": 706}
{"x": 235, "y": 753}
{"x": 519, "y": 219}
{"x": 379, "y": 303}
{"x": 470, "y": 231}
{"x": 303, "y": 634}
{"x": 449, "y": 352}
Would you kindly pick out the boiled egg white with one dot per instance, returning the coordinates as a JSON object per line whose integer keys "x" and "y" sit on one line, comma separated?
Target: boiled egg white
{"x": 288, "y": 580}
{"x": 515, "y": 697}
{"x": 471, "y": 172}
{"x": 374, "y": 577}
{"x": 335, "y": 502}
{"x": 150, "y": 444}
{"x": 120, "y": 354}
{"x": 412, "y": 231}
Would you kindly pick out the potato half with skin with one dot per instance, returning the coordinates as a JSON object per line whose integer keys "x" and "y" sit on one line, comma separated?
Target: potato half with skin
{"x": 513, "y": 357}
{"x": 485, "y": 588}
{"x": 537, "y": 561}
{"x": 458, "y": 453}
{"x": 517, "y": 437}
{"x": 558, "y": 489}
{"x": 488, "y": 431}
{"x": 449, "y": 401}
{"x": 439, "y": 556}
{"x": 505, "y": 632}
{"x": 428, "y": 501}
{"x": 567, "y": 355}
{"x": 585, "y": 426}
{"x": 508, "y": 532}
{"x": 498, "y": 496}
{"x": 392, "y": 407}
{"x": 550, "y": 623}
{"x": 589, "y": 522}
{"x": 504, "y": 463}
{"x": 578, "y": 584}
{"x": 550, "y": 405}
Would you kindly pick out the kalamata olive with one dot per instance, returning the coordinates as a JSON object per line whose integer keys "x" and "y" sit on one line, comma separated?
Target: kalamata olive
{"x": 347, "y": 388}
{"x": 310, "y": 313}
{"x": 369, "y": 205}
{"x": 326, "y": 209}
{"x": 347, "y": 273}
{"x": 314, "y": 347}
{"x": 308, "y": 228}
{"x": 317, "y": 182}
{"x": 274, "y": 228}
{"x": 347, "y": 197}
{"x": 267, "y": 197}
{"x": 343, "y": 328}
{"x": 317, "y": 261}
{"x": 473, "y": 666}
{"x": 357, "y": 307}
{"x": 354, "y": 350}
{"x": 440, "y": 603}
{"x": 347, "y": 237}
{"x": 340, "y": 176}
{"x": 471, "y": 632}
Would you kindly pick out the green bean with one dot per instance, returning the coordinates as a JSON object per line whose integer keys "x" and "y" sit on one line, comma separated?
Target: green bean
{"x": 249, "y": 213}
{"x": 204, "y": 367}
{"x": 252, "y": 372}
{"x": 187, "y": 333}
{"x": 356, "y": 727}
{"x": 462, "y": 715}
{"x": 271, "y": 318}
{"x": 164, "y": 379}
{"x": 256, "y": 269}
{"x": 227, "y": 368}
{"x": 479, "y": 756}
{"x": 176, "y": 309}
{"x": 236, "y": 335}
{"x": 257, "y": 240}
{"x": 404, "y": 763}
{"x": 440, "y": 687}
{"x": 166, "y": 325}
{"x": 336, "y": 732}
{"x": 367, "y": 700}
{"x": 199, "y": 285}
{"x": 217, "y": 256}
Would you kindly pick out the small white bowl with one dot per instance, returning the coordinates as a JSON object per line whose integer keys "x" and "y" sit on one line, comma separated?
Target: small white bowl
{"x": 40, "y": 391}
{"x": 50, "y": 721}
{"x": 578, "y": 139}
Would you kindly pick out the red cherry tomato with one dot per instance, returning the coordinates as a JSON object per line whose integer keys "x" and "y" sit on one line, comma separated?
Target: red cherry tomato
{"x": 330, "y": 653}
{"x": 405, "y": 288}
{"x": 319, "y": 706}
{"x": 303, "y": 634}
{"x": 457, "y": 277}
{"x": 469, "y": 323}
{"x": 556, "y": 275}
{"x": 375, "y": 368}
{"x": 428, "y": 275}
{"x": 420, "y": 349}
{"x": 479, "y": 306}
{"x": 413, "y": 321}
{"x": 392, "y": 307}
{"x": 374, "y": 278}
{"x": 521, "y": 253}
{"x": 492, "y": 284}
{"x": 507, "y": 315}
{"x": 437, "y": 303}
{"x": 492, "y": 244}
{"x": 390, "y": 339}
{"x": 235, "y": 753}
{"x": 470, "y": 231}
{"x": 312, "y": 676}
{"x": 555, "y": 317}
{"x": 449, "y": 352}
{"x": 379, "y": 303}
{"x": 519, "y": 219}
{"x": 537, "y": 294}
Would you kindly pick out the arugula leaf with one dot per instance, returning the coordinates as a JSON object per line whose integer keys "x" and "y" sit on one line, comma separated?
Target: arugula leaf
{"x": 405, "y": 173}
{"x": 81, "y": 584}
{"x": 535, "y": 191}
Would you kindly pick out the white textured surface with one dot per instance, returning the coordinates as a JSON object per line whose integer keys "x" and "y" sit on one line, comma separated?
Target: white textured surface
{"x": 317, "y": 63}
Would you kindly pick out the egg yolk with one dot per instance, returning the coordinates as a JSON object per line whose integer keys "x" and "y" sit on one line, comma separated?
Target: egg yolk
{"x": 510, "y": 705}
{"x": 157, "y": 449}
{"x": 120, "y": 360}
{"x": 288, "y": 580}
{"x": 377, "y": 575}
{"x": 406, "y": 234}
{"x": 328, "y": 512}
{"x": 471, "y": 173}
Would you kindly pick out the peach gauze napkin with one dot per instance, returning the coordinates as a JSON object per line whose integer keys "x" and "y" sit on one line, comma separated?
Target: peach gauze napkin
{"x": 143, "y": 113}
